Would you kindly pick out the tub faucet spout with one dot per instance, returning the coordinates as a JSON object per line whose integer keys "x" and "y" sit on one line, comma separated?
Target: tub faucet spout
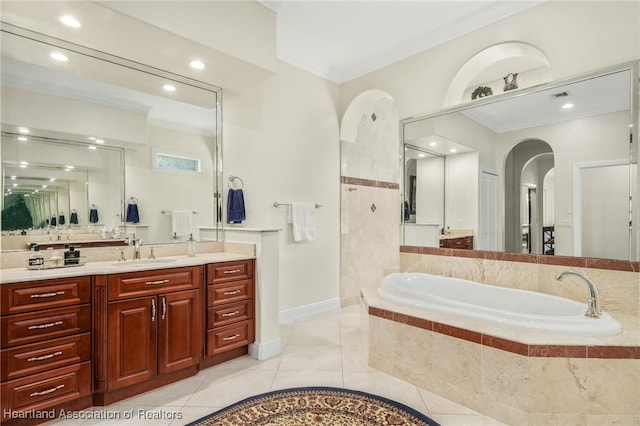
{"x": 593, "y": 305}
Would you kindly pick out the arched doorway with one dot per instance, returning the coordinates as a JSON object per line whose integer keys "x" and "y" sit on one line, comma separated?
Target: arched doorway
{"x": 527, "y": 195}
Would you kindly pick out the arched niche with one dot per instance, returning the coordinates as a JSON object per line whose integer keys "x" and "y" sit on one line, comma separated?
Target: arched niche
{"x": 360, "y": 105}
{"x": 490, "y": 66}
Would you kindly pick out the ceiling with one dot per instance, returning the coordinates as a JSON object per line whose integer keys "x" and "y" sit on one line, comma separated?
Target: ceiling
{"x": 342, "y": 40}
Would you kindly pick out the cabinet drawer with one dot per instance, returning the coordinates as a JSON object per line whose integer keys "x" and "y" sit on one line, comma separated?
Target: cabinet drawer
{"x": 42, "y": 325}
{"x": 229, "y": 292}
{"x": 229, "y": 271}
{"x": 144, "y": 283}
{"x": 24, "y": 297}
{"x": 38, "y": 357}
{"x": 45, "y": 390}
{"x": 229, "y": 337}
{"x": 229, "y": 313}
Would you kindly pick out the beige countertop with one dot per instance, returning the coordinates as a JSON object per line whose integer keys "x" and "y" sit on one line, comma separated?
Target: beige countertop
{"x": 15, "y": 275}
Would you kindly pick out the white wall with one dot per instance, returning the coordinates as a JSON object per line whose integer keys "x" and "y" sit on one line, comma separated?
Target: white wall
{"x": 462, "y": 186}
{"x": 430, "y": 190}
{"x": 158, "y": 190}
{"x": 577, "y": 37}
{"x": 282, "y": 139}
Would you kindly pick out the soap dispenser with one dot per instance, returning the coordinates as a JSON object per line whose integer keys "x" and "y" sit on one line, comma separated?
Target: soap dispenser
{"x": 191, "y": 246}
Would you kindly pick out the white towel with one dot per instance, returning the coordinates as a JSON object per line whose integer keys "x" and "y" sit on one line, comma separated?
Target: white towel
{"x": 303, "y": 221}
{"x": 180, "y": 223}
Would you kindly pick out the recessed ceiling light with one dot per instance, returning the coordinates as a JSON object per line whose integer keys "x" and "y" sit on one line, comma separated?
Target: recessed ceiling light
{"x": 100, "y": 141}
{"x": 66, "y": 169}
{"x": 169, "y": 87}
{"x": 13, "y": 178}
{"x": 15, "y": 184}
{"x": 69, "y": 167}
{"x": 23, "y": 130}
{"x": 453, "y": 150}
{"x": 37, "y": 190}
{"x": 196, "y": 64}
{"x": 52, "y": 180}
{"x": 44, "y": 186}
{"x": 23, "y": 166}
{"x": 60, "y": 57}
{"x": 92, "y": 147}
{"x": 23, "y": 138}
{"x": 24, "y": 163}
{"x": 567, "y": 106}
{"x": 92, "y": 138}
{"x": 70, "y": 21}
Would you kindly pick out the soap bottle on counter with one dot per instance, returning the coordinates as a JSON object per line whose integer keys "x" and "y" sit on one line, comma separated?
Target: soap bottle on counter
{"x": 191, "y": 246}
{"x": 36, "y": 259}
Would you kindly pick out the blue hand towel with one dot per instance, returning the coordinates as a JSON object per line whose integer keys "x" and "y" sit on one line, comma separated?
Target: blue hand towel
{"x": 132, "y": 213}
{"x": 93, "y": 215}
{"x": 235, "y": 206}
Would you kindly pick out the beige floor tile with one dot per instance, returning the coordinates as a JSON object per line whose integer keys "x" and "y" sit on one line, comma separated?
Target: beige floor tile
{"x": 295, "y": 378}
{"x": 311, "y": 357}
{"x": 315, "y": 335}
{"x": 224, "y": 387}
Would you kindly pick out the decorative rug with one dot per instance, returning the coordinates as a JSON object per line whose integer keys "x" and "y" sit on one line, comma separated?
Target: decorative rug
{"x": 316, "y": 406}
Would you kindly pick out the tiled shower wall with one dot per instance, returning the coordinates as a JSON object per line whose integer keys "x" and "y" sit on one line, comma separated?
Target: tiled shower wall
{"x": 370, "y": 201}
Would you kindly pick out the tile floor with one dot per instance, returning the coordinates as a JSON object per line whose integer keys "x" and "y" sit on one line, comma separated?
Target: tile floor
{"x": 324, "y": 350}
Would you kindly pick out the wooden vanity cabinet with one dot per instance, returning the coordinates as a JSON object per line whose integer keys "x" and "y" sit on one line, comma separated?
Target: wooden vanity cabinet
{"x": 464, "y": 243}
{"x": 230, "y": 310}
{"x": 45, "y": 359}
{"x": 153, "y": 330}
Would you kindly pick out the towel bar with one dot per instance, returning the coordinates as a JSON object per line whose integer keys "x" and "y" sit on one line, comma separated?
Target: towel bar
{"x": 169, "y": 212}
{"x": 277, "y": 204}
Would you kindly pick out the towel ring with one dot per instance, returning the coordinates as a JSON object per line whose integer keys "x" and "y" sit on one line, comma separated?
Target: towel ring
{"x": 133, "y": 200}
{"x": 233, "y": 178}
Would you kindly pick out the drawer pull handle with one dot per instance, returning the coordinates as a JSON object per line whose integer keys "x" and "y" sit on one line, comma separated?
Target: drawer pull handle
{"x": 44, "y": 357}
{"x": 157, "y": 282}
{"x": 48, "y": 391}
{"x": 231, "y": 314}
{"x": 153, "y": 310}
{"x": 57, "y": 293}
{"x": 231, "y": 271}
{"x": 47, "y": 325}
{"x": 164, "y": 308}
{"x": 234, "y": 337}
{"x": 229, "y": 293}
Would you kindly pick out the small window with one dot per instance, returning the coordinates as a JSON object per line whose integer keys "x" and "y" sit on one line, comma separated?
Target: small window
{"x": 177, "y": 162}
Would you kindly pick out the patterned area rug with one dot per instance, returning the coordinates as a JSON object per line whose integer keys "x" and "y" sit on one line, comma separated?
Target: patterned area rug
{"x": 316, "y": 406}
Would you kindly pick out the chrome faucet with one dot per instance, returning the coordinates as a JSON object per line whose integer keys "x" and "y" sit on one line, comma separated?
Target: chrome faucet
{"x": 593, "y": 305}
{"x": 136, "y": 250}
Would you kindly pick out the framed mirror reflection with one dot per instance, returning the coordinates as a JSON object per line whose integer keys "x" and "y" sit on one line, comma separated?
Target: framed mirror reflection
{"x": 550, "y": 169}
{"x": 90, "y": 127}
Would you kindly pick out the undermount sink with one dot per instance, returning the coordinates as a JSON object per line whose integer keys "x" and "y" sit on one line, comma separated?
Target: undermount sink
{"x": 145, "y": 262}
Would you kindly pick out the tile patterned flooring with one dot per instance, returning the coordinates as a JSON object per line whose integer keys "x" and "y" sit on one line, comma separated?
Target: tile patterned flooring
{"x": 323, "y": 350}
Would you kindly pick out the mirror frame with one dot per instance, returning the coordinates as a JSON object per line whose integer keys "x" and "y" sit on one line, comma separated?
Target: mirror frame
{"x": 216, "y": 150}
{"x": 632, "y": 66}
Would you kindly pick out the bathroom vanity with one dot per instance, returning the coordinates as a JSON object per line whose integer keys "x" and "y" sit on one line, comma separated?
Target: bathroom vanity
{"x": 76, "y": 337}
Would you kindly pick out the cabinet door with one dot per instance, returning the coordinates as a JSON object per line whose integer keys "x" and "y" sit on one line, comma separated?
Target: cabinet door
{"x": 132, "y": 341}
{"x": 179, "y": 330}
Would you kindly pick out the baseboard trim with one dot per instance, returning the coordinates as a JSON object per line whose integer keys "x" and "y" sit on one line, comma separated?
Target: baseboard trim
{"x": 293, "y": 314}
{"x": 265, "y": 350}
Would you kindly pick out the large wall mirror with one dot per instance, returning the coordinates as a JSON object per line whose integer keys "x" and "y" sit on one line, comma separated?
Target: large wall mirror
{"x": 85, "y": 134}
{"x": 551, "y": 169}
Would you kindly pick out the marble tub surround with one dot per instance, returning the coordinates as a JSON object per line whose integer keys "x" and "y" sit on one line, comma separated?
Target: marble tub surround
{"x": 518, "y": 379}
{"x": 617, "y": 281}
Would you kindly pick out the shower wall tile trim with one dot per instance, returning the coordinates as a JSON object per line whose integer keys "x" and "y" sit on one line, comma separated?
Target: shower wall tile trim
{"x": 532, "y": 351}
{"x": 368, "y": 182}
